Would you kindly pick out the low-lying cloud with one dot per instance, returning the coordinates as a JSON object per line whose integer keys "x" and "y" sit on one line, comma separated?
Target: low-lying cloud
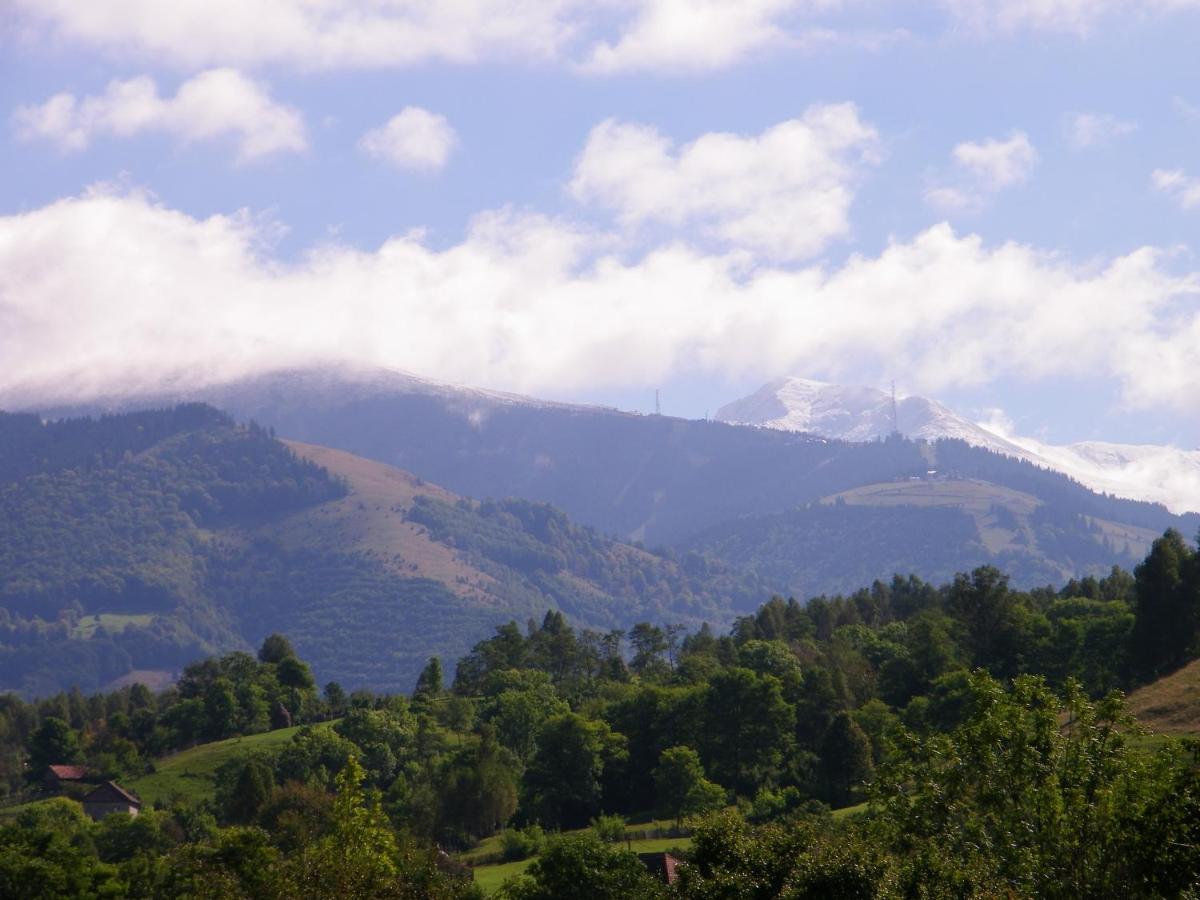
{"x": 111, "y": 291}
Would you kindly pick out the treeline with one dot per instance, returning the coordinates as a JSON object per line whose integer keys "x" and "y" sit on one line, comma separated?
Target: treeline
{"x": 144, "y": 540}
{"x": 977, "y": 721}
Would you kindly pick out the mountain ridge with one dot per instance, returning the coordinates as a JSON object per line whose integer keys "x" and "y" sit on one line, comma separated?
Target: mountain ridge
{"x": 1147, "y": 472}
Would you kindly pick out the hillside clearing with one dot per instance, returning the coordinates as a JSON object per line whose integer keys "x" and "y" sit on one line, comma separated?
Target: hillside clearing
{"x": 1170, "y": 705}
{"x": 189, "y": 773}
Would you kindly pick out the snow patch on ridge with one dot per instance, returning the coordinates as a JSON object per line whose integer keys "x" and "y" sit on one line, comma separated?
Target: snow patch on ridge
{"x": 1159, "y": 474}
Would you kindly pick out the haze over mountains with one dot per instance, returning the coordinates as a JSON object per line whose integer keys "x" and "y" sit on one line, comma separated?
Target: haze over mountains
{"x": 1158, "y": 474}
{"x": 416, "y": 559}
{"x": 665, "y": 481}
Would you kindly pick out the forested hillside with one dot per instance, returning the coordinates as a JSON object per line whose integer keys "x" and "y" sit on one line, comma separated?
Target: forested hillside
{"x": 140, "y": 541}
{"x": 968, "y": 732}
{"x": 674, "y": 482}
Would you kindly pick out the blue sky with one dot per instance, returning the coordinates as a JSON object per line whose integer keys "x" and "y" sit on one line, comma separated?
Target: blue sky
{"x": 994, "y": 203}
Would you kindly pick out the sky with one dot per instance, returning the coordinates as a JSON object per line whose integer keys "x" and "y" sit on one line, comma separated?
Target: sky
{"x": 996, "y": 204}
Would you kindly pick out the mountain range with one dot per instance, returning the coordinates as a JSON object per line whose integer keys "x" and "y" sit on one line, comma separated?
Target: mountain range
{"x": 1157, "y": 474}
{"x": 404, "y": 518}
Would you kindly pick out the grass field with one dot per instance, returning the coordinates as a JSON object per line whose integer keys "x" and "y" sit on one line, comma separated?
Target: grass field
{"x": 490, "y": 877}
{"x": 1170, "y": 705}
{"x": 847, "y": 811}
{"x": 189, "y": 773}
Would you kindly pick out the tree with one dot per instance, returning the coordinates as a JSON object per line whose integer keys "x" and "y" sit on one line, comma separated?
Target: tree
{"x": 430, "y": 684}
{"x": 1034, "y": 794}
{"x": 220, "y": 709}
{"x": 479, "y": 788}
{"x": 275, "y": 649}
{"x": 846, "y": 759}
{"x": 681, "y": 786}
{"x": 564, "y": 775}
{"x": 747, "y": 729}
{"x": 584, "y": 866}
{"x": 335, "y": 696}
{"x": 243, "y": 785}
{"x": 988, "y": 611}
{"x": 519, "y": 710}
{"x": 650, "y": 645}
{"x": 54, "y": 742}
{"x": 1166, "y": 606}
{"x": 294, "y": 674}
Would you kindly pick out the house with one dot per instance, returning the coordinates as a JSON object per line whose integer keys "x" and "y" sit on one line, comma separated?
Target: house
{"x": 58, "y": 777}
{"x": 662, "y": 866}
{"x": 110, "y": 797}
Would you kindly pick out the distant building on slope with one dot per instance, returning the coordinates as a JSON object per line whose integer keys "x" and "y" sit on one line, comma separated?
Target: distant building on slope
{"x": 110, "y": 797}
{"x": 60, "y": 776}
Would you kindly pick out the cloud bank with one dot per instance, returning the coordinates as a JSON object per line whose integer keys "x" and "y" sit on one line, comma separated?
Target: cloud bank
{"x": 113, "y": 290}
{"x": 597, "y": 36}
{"x": 214, "y": 104}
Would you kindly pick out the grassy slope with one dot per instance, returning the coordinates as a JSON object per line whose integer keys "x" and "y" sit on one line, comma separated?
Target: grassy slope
{"x": 1170, "y": 705}
{"x": 189, "y": 773}
{"x": 371, "y": 520}
{"x": 980, "y": 499}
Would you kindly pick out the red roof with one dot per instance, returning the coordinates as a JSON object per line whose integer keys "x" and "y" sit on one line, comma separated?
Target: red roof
{"x": 661, "y": 865}
{"x": 69, "y": 773}
{"x": 111, "y": 792}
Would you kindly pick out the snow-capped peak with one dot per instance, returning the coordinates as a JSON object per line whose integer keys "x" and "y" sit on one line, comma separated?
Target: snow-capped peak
{"x": 855, "y": 413}
{"x": 1158, "y": 474}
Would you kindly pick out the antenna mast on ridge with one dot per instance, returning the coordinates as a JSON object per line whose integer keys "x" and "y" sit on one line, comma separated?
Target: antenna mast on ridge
{"x": 895, "y": 411}
{"x": 657, "y": 405}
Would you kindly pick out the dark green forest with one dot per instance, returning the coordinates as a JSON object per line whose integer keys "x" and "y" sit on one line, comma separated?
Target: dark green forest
{"x": 141, "y": 541}
{"x": 980, "y": 729}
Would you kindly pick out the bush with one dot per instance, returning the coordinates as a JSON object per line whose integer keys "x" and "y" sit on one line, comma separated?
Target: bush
{"x": 522, "y": 843}
{"x": 609, "y": 829}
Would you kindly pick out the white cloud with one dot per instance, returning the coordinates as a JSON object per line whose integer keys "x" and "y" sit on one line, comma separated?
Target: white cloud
{"x": 214, "y": 104}
{"x": 602, "y": 36}
{"x": 1086, "y": 130}
{"x": 1184, "y": 189}
{"x": 997, "y": 164}
{"x": 1011, "y": 15}
{"x": 988, "y": 17}
{"x": 414, "y": 138}
{"x": 312, "y": 34}
{"x": 1185, "y": 109}
{"x": 983, "y": 169}
{"x": 110, "y": 289}
{"x": 785, "y": 193}
{"x": 693, "y": 34}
